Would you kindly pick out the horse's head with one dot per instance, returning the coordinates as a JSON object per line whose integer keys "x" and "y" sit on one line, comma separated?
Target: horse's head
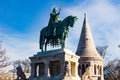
{"x": 72, "y": 20}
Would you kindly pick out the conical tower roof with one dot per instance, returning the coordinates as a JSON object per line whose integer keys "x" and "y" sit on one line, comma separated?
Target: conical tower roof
{"x": 86, "y": 47}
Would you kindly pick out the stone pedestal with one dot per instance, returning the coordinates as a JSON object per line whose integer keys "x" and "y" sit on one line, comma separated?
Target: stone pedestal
{"x": 60, "y": 64}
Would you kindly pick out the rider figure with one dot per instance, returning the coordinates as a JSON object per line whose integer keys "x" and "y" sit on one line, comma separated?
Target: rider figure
{"x": 54, "y": 19}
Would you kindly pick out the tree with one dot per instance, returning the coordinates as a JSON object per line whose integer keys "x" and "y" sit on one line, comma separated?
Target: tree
{"x": 15, "y": 64}
{"x": 3, "y": 58}
{"x": 25, "y": 64}
{"x": 112, "y": 70}
{"x": 102, "y": 50}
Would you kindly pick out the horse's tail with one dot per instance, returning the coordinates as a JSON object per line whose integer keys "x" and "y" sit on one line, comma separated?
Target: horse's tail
{"x": 42, "y": 38}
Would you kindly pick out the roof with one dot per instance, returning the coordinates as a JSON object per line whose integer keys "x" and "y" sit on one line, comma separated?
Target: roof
{"x": 86, "y": 47}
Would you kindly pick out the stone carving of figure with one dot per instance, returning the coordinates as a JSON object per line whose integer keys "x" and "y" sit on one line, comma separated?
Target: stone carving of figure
{"x": 67, "y": 69}
{"x": 20, "y": 74}
{"x": 86, "y": 75}
{"x": 54, "y": 18}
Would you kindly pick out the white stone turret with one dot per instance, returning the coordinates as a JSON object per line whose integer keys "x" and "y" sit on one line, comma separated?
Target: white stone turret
{"x": 89, "y": 57}
{"x": 86, "y": 47}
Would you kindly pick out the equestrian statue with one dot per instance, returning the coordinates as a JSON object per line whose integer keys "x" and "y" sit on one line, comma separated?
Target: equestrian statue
{"x": 56, "y": 31}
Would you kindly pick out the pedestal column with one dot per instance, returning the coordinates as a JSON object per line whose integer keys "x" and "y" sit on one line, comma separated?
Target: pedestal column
{"x": 76, "y": 69}
{"x": 47, "y": 71}
{"x": 32, "y": 70}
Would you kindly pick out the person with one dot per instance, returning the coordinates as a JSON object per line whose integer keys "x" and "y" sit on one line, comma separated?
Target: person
{"x": 54, "y": 19}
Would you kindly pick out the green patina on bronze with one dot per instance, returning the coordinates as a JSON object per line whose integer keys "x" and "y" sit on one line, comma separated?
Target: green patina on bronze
{"x": 56, "y": 31}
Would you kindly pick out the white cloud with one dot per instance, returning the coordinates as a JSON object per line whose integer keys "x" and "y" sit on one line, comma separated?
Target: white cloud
{"x": 19, "y": 48}
{"x": 103, "y": 18}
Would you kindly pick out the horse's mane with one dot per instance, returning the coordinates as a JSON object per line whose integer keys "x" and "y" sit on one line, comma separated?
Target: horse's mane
{"x": 67, "y": 18}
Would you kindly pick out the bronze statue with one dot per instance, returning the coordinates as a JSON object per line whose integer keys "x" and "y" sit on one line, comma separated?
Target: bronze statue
{"x": 56, "y": 31}
{"x": 20, "y": 74}
{"x": 54, "y": 18}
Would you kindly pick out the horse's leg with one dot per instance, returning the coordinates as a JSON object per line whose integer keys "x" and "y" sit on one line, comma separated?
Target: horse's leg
{"x": 42, "y": 40}
{"x": 64, "y": 37}
{"x": 46, "y": 43}
{"x": 63, "y": 44}
{"x": 62, "y": 40}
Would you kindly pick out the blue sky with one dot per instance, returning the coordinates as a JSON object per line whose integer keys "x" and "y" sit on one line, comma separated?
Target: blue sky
{"x": 18, "y": 15}
{"x": 22, "y": 20}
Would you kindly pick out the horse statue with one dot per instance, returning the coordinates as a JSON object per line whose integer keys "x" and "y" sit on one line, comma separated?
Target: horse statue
{"x": 61, "y": 33}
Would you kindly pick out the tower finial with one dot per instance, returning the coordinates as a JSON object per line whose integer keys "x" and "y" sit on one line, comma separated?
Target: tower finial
{"x": 84, "y": 15}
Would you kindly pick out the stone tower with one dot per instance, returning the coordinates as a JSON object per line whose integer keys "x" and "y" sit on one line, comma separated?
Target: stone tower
{"x": 90, "y": 62}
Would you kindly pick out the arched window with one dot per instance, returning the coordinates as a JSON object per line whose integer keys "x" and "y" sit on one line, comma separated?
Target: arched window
{"x": 87, "y": 66}
{"x": 41, "y": 69}
{"x": 83, "y": 68}
{"x": 36, "y": 69}
{"x": 100, "y": 70}
{"x": 54, "y": 68}
{"x": 98, "y": 67}
{"x": 94, "y": 69}
{"x": 79, "y": 70}
{"x": 79, "y": 66}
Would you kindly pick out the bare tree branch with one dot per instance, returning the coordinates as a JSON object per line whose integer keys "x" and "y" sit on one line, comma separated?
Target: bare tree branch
{"x": 102, "y": 50}
{"x": 3, "y": 58}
